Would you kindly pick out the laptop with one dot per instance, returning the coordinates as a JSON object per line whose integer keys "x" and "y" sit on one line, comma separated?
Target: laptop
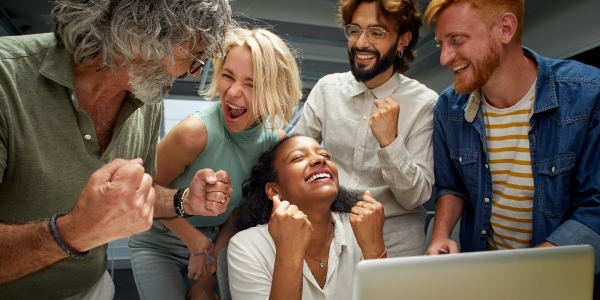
{"x": 536, "y": 273}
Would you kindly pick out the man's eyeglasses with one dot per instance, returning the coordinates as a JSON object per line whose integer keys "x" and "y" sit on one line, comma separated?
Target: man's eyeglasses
{"x": 374, "y": 34}
{"x": 197, "y": 64}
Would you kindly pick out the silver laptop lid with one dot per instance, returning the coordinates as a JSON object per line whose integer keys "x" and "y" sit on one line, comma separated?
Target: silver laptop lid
{"x": 536, "y": 273}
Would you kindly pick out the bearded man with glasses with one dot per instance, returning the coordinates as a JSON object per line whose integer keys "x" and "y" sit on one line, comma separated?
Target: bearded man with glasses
{"x": 84, "y": 103}
{"x": 355, "y": 115}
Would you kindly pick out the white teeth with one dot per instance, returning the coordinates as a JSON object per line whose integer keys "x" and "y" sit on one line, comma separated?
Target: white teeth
{"x": 234, "y": 107}
{"x": 460, "y": 67}
{"x": 317, "y": 176}
{"x": 363, "y": 57}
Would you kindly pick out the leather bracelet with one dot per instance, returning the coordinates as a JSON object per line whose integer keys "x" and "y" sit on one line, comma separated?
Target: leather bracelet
{"x": 178, "y": 203}
{"x": 60, "y": 242}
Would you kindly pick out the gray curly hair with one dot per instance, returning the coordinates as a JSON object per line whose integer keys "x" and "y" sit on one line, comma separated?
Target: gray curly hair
{"x": 118, "y": 30}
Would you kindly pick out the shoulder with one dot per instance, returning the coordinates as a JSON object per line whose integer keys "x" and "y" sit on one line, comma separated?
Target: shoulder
{"x": 451, "y": 103}
{"x": 210, "y": 113}
{"x": 254, "y": 240}
{"x": 337, "y": 81}
{"x": 12, "y": 47}
{"x": 189, "y": 136}
{"x": 418, "y": 90}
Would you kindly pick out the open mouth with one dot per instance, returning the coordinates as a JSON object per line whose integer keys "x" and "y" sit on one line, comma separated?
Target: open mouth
{"x": 460, "y": 67}
{"x": 236, "y": 112}
{"x": 318, "y": 176}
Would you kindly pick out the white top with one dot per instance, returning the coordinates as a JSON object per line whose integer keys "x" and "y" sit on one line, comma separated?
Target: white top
{"x": 251, "y": 260}
{"x": 509, "y": 160}
{"x": 400, "y": 176}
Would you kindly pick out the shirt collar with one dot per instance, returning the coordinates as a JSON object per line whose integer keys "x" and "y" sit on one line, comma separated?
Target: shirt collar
{"x": 53, "y": 66}
{"x": 380, "y": 92}
{"x": 339, "y": 238}
{"x": 545, "y": 98}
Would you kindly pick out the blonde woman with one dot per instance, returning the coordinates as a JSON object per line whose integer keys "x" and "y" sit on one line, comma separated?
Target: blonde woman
{"x": 259, "y": 86}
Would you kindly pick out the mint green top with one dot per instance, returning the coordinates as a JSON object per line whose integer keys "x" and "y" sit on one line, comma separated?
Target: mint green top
{"x": 235, "y": 153}
{"x": 48, "y": 150}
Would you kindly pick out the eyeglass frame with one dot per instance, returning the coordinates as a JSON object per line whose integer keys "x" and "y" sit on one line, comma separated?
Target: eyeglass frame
{"x": 361, "y": 31}
{"x": 202, "y": 62}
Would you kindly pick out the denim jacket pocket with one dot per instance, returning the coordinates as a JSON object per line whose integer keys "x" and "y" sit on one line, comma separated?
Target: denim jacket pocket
{"x": 555, "y": 177}
{"x": 466, "y": 163}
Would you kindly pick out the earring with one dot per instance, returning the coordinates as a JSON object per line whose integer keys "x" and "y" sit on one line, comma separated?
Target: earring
{"x": 400, "y": 54}
{"x": 276, "y": 196}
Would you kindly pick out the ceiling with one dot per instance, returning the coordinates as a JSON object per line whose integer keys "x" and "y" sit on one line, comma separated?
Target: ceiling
{"x": 310, "y": 26}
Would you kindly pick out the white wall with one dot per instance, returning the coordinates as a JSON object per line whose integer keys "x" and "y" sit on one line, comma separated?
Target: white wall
{"x": 560, "y": 30}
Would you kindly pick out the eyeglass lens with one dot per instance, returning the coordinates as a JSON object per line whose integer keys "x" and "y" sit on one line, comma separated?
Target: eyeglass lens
{"x": 374, "y": 34}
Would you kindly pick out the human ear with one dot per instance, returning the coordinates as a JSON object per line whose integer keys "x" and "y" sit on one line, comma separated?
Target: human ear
{"x": 508, "y": 27}
{"x": 404, "y": 40}
{"x": 271, "y": 189}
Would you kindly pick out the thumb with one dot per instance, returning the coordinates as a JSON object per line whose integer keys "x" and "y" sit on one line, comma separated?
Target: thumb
{"x": 377, "y": 102}
{"x": 368, "y": 193}
{"x": 276, "y": 202}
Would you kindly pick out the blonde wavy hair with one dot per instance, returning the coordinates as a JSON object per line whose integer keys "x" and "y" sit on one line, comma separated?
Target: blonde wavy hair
{"x": 277, "y": 87}
{"x": 489, "y": 11}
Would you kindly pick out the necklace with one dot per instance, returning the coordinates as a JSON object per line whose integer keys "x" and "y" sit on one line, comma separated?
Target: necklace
{"x": 321, "y": 260}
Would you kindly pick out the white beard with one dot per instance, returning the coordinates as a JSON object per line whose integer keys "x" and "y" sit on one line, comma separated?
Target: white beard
{"x": 150, "y": 82}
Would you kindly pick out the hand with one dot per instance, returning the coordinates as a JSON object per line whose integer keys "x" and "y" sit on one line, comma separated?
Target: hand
{"x": 208, "y": 194}
{"x": 441, "y": 246}
{"x": 289, "y": 228}
{"x": 197, "y": 266}
{"x": 116, "y": 202}
{"x": 367, "y": 224}
{"x": 202, "y": 289}
{"x": 384, "y": 121}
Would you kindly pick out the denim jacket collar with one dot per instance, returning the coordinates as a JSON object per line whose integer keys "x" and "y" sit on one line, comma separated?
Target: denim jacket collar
{"x": 545, "y": 98}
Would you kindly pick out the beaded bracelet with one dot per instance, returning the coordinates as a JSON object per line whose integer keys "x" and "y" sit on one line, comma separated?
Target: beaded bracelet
{"x": 209, "y": 258}
{"x": 385, "y": 253}
{"x": 60, "y": 242}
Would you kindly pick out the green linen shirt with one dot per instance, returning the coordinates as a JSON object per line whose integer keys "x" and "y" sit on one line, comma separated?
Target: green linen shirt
{"x": 48, "y": 150}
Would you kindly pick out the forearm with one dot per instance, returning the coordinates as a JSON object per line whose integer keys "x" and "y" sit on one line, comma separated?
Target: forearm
{"x": 163, "y": 203}
{"x": 26, "y": 249}
{"x": 410, "y": 177}
{"x": 226, "y": 232}
{"x": 194, "y": 239}
{"x": 448, "y": 209}
{"x": 287, "y": 278}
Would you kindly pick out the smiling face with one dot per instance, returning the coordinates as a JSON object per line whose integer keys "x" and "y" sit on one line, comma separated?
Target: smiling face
{"x": 235, "y": 89}
{"x": 151, "y": 81}
{"x": 305, "y": 175}
{"x": 468, "y": 47}
{"x": 366, "y": 58}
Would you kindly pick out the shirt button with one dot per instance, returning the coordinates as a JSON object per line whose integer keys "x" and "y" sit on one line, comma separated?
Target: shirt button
{"x": 460, "y": 159}
{"x": 365, "y": 117}
{"x": 486, "y": 200}
{"x": 73, "y": 98}
{"x": 486, "y": 166}
{"x": 483, "y": 232}
{"x": 87, "y": 137}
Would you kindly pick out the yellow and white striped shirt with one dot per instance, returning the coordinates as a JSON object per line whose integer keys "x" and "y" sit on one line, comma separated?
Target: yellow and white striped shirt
{"x": 509, "y": 161}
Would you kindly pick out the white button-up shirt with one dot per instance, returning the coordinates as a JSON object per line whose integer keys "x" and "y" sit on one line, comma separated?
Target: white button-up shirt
{"x": 251, "y": 261}
{"x": 400, "y": 176}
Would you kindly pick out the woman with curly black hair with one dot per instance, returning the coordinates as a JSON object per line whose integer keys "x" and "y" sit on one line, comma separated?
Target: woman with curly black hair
{"x": 301, "y": 237}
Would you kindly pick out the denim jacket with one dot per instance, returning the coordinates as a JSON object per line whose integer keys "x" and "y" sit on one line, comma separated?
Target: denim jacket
{"x": 565, "y": 157}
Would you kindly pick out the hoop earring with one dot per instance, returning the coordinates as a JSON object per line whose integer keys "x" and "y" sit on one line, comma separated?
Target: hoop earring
{"x": 400, "y": 54}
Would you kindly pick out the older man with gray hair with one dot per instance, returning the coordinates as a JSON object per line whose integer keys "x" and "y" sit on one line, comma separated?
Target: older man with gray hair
{"x": 80, "y": 115}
